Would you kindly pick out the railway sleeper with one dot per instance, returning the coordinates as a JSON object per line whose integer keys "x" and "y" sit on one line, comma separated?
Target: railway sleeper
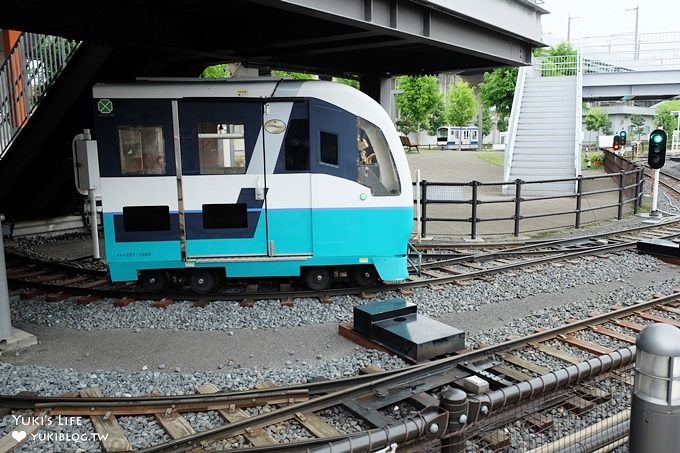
{"x": 496, "y": 439}
{"x": 539, "y": 422}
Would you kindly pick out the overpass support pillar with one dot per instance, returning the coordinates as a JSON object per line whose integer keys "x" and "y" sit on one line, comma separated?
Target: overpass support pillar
{"x": 10, "y": 338}
{"x": 380, "y": 89}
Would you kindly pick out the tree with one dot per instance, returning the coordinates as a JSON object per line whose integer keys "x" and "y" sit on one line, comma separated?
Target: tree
{"x": 497, "y": 90}
{"x": 418, "y": 103}
{"x": 559, "y": 60}
{"x": 351, "y": 82}
{"x": 664, "y": 115}
{"x": 294, "y": 75}
{"x": 461, "y": 106}
{"x": 218, "y": 71}
{"x": 486, "y": 121}
{"x": 638, "y": 124}
{"x": 597, "y": 119}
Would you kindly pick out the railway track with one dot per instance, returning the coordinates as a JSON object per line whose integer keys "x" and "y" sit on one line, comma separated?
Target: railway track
{"x": 552, "y": 383}
{"x": 416, "y": 407}
{"x": 668, "y": 180}
{"x": 439, "y": 264}
{"x": 671, "y": 183}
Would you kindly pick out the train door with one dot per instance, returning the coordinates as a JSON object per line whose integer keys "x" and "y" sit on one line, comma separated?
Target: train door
{"x": 244, "y": 179}
{"x": 288, "y": 179}
{"x": 466, "y": 137}
{"x": 221, "y": 179}
{"x": 456, "y": 136}
{"x": 474, "y": 136}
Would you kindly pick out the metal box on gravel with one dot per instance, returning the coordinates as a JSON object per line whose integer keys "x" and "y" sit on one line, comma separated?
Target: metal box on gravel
{"x": 663, "y": 249}
{"x": 367, "y": 314}
{"x": 396, "y": 325}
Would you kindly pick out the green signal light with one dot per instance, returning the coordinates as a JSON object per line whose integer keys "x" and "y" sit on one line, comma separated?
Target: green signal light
{"x": 657, "y": 138}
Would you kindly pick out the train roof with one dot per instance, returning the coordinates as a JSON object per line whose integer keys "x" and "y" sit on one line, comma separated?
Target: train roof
{"x": 178, "y": 88}
{"x": 339, "y": 94}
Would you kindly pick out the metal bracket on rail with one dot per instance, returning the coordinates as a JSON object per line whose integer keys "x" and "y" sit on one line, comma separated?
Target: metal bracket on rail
{"x": 418, "y": 262}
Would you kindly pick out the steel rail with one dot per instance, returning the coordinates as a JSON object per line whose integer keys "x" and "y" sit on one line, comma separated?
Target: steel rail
{"x": 269, "y": 295}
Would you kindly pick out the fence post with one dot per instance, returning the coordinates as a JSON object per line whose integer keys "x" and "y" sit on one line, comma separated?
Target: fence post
{"x": 518, "y": 205}
{"x": 423, "y": 207}
{"x": 579, "y": 195}
{"x": 619, "y": 214}
{"x": 473, "y": 232}
{"x": 638, "y": 191}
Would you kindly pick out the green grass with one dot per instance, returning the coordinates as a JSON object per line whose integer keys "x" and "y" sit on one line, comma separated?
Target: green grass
{"x": 496, "y": 158}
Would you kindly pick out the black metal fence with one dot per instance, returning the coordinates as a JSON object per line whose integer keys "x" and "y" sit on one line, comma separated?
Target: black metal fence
{"x": 498, "y": 208}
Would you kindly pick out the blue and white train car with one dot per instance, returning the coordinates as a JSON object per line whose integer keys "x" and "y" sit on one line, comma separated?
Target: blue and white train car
{"x": 203, "y": 179}
{"x": 463, "y": 137}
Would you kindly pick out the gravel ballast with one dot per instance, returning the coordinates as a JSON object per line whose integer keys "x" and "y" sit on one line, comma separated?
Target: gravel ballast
{"x": 287, "y": 352}
{"x": 137, "y": 349}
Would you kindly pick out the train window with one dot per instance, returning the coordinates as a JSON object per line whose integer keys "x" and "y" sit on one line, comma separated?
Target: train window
{"x": 225, "y": 215}
{"x": 146, "y": 218}
{"x": 297, "y": 145}
{"x": 329, "y": 148}
{"x": 376, "y": 167}
{"x": 142, "y": 151}
{"x": 221, "y": 148}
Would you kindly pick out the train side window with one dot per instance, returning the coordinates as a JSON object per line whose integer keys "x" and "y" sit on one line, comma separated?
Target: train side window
{"x": 225, "y": 215}
{"x": 329, "y": 148}
{"x": 142, "y": 151}
{"x": 376, "y": 167}
{"x": 221, "y": 148}
{"x": 297, "y": 145}
{"x": 146, "y": 218}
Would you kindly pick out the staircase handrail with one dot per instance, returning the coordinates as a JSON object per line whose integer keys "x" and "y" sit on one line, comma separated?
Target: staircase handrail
{"x": 514, "y": 119}
{"x": 578, "y": 113}
{"x": 30, "y": 69}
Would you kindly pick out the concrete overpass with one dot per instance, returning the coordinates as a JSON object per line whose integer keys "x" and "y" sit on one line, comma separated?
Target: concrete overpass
{"x": 119, "y": 40}
{"x": 658, "y": 84}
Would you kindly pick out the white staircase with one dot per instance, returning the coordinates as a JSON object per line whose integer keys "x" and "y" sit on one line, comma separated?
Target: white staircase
{"x": 544, "y": 134}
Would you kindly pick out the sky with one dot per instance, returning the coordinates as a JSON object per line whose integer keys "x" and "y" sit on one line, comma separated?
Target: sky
{"x": 607, "y": 17}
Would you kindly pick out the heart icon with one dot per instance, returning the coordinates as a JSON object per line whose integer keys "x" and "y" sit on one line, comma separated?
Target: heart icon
{"x": 18, "y": 435}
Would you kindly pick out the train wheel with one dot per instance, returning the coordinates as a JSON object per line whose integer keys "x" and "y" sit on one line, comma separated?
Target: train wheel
{"x": 365, "y": 276}
{"x": 318, "y": 278}
{"x": 154, "y": 281}
{"x": 203, "y": 281}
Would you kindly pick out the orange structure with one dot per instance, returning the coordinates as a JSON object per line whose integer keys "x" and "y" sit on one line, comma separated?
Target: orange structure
{"x": 15, "y": 66}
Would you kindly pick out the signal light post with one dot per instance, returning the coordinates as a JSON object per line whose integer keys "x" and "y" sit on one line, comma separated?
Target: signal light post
{"x": 656, "y": 158}
{"x": 623, "y": 135}
{"x": 617, "y": 143}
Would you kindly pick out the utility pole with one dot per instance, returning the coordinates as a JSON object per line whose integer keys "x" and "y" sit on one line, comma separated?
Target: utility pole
{"x": 569, "y": 28}
{"x": 637, "y": 35}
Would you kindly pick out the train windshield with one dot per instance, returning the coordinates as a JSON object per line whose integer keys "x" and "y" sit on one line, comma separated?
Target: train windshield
{"x": 376, "y": 167}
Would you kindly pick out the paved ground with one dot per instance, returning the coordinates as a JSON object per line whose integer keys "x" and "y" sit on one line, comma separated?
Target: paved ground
{"x": 450, "y": 166}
